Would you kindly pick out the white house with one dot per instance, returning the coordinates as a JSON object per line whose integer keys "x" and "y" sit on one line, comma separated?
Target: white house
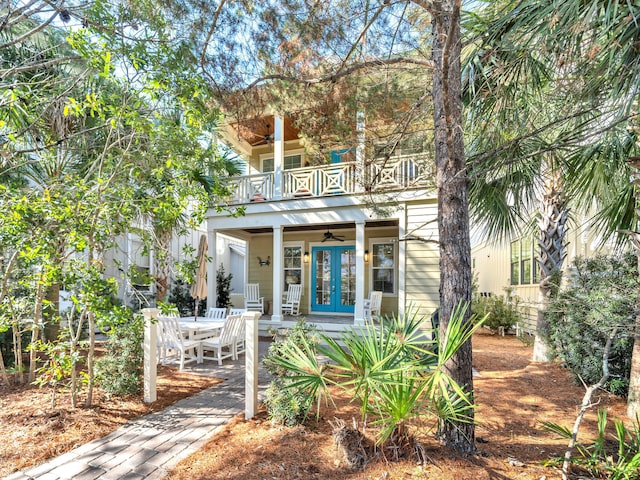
{"x": 342, "y": 229}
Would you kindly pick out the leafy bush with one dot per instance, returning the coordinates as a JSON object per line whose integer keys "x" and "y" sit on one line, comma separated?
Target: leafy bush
{"x": 119, "y": 371}
{"x": 390, "y": 370}
{"x": 599, "y": 458}
{"x": 286, "y": 403}
{"x": 223, "y": 288}
{"x": 181, "y": 298}
{"x": 599, "y": 302}
{"x": 501, "y": 311}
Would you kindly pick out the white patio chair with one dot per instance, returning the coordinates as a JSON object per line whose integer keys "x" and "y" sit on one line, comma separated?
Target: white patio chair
{"x": 223, "y": 346}
{"x": 216, "y": 313}
{"x": 372, "y": 305}
{"x": 236, "y": 311}
{"x": 291, "y": 304}
{"x": 252, "y": 298}
{"x": 171, "y": 339}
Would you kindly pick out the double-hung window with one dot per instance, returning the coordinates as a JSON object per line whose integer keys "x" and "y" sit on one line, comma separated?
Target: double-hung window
{"x": 290, "y": 162}
{"x": 524, "y": 268}
{"x": 383, "y": 258}
{"x": 292, "y": 261}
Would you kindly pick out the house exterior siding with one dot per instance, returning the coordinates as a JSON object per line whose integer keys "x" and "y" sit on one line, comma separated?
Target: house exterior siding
{"x": 422, "y": 264}
{"x": 491, "y": 262}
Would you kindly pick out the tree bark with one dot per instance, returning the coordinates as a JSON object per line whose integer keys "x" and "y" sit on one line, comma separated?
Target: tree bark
{"x": 162, "y": 260}
{"x": 552, "y": 253}
{"x": 453, "y": 202}
{"x": 633, "y": 396}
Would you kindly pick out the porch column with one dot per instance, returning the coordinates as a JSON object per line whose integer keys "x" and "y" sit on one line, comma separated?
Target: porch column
{"x": 150, "y": 349}
{"x": 278, "y": 156}
{"x": 276, "y": 313}
{"x": 358, "y": 317}
{"x": 361, "y": 176}
{"x": 211, "y": 266}
{"x": 402, "y": 260}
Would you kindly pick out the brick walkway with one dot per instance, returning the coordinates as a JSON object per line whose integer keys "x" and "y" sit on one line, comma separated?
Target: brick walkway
{"x": 148, "y": 447}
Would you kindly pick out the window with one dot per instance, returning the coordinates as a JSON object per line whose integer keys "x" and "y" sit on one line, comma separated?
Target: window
{"x": 524, "y": 268}
{"x": 292, "y": 261}
{"x": 290, "y": 161}
{"x": 383, "y": 266}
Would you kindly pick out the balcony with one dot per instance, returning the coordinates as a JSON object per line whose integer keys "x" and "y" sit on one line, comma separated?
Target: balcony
{"x": 397, "y": 173}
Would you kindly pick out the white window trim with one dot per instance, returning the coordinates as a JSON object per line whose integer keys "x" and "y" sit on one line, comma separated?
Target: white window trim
{"x": 302, "y": 264}
{"x": 369, "y": 264}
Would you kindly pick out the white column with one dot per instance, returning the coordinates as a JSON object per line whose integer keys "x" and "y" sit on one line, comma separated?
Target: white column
{"x": 402, "y": 260}
{"x": 361, "y": 176}
{"x": 251, "y": 364}
{"x": 358, "y": 317}
{"x": 278, "y": 281}
{"x": 212, "y": 265}
{"x": 278, "y": 156}
{"x": 150, "y": 349}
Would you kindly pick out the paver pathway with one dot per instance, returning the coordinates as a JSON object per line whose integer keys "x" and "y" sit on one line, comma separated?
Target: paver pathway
{"x": 146, "y": 448}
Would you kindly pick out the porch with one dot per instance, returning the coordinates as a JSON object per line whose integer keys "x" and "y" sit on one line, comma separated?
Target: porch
{"x": 346, "y": 178}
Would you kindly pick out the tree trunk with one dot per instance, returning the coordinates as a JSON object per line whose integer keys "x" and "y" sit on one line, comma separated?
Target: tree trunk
{"x": 162, "y": 258}
{"x": 552, "y": 252}
{"x": 35, "y": 333}
{"x": 453, "y": 201}
{"x": 633, "y": 398}
{"x": 51, "y": 313}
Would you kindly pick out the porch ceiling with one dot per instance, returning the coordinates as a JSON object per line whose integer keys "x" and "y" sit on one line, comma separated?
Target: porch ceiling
{"x": 259, "y": 131}
{"x": 332, "y": 226}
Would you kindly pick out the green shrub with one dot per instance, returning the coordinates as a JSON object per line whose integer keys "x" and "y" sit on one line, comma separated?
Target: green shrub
{"x": 501, "y": 311}
{"x": 223, "y": 288}
{"x": 390, "y": 370}
{"x": 614, "y": 460}
{"x": 119, "y": 372}
{"x": 599, "y": 302}
{"x": 180, "y": 296}
{"x": 286, "y": 403}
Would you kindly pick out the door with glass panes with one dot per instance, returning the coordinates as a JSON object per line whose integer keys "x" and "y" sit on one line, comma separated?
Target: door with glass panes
{"x": 333, "y": 278}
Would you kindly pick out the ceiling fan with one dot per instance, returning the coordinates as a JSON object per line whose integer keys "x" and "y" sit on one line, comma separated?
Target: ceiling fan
{"x": 266, "y": 138}
{"x": 330, "y": 236}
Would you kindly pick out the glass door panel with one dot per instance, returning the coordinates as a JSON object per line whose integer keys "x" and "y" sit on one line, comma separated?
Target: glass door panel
{"x": 333, "y": 278}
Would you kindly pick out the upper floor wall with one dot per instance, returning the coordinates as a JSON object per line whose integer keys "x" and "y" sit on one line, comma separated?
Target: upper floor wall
{"x": 279, "y": 167}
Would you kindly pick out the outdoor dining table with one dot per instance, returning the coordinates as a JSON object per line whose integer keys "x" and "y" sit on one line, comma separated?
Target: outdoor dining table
{"x": 195, "y": 328}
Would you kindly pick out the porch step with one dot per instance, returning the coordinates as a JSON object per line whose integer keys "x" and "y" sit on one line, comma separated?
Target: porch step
{"x": 331, "y": 329}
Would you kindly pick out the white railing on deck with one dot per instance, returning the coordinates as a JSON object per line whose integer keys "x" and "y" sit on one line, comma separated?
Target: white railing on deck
{"x": 320, "y": 181}
{"x": 396, "y": 173}
{"x": 258, "y": 187}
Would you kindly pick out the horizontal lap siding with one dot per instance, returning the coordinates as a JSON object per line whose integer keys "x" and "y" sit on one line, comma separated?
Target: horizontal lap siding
{"x": 422, "y": 264}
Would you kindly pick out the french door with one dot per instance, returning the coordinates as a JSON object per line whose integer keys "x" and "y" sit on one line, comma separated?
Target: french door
{"x": 333, "y": 278}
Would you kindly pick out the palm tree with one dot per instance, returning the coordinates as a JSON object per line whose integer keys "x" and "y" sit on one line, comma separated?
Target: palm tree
{"x": 591, "y": 61}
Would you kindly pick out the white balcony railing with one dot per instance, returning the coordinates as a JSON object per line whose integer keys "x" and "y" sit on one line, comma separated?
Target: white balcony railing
{"x": 396, "y": 173}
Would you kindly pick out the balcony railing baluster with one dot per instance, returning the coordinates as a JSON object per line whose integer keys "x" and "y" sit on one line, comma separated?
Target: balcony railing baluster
{"x": 328, "y": 180}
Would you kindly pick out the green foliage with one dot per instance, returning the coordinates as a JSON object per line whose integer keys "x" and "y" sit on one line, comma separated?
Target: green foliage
{"x": 287, "y": 403}
{"x": 180, "y": 296}
{"x": 500, "y": 312}
{"x": 56, "y": 370}
{"x": 223, "y": 287}
{"x": 119, "y": 371}
{"x": 599, "y": 301}
{"x": 390, "y": 370}
{"x": 599, "y": 457}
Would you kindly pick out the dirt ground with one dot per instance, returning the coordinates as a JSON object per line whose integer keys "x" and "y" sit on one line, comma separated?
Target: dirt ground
{"x": 31, "y": 431}
{"x": 513, "y": 397}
